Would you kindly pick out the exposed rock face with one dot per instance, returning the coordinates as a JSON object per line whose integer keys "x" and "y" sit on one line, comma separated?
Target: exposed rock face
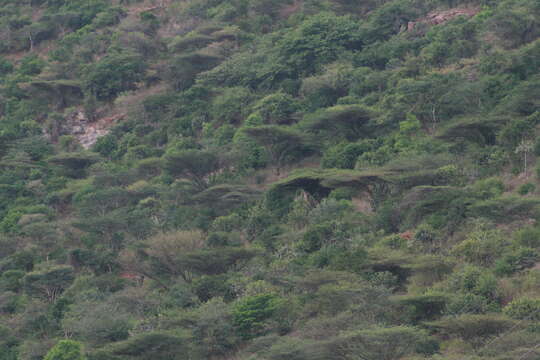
{"x": 363, "y": 202}
{"x": 440, "y": 17}
{"x": 86, "y": 131}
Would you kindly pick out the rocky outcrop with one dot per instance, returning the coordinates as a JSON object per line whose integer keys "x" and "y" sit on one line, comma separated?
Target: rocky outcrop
{"x": 440, "y": 17}
{"x": 85, "y": 131}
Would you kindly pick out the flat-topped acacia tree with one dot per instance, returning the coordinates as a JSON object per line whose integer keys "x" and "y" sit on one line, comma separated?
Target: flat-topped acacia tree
{"x": 281, "y": 142}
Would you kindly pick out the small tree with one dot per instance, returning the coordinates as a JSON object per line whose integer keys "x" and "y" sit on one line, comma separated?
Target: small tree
{"x": 195, "y": 165}
{"x": 146, "y": 346}
{"x": 74, "y": 164}
{"x": 280, "y": 142}
{"x": 387, "y": 343}
{"x": 113, "y": 74}
{"x": 347, "y": 121}
{"x": 49, "y": 283}
{"x": 66, "y": 350}
{"x": 251, "y": 314}
{"x": 524, "y": 147}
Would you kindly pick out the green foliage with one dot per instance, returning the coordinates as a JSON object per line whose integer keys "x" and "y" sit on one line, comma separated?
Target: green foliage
{"x": 195, "y": 165}
{"x": 74, "y": 164}
{"x": 526, "y": 189}
{"x": 315, "y": 237}
{"x": 389, "y": 343}
{"x": 523, "y": 309}
{"x": 48, "y": 283}
{"x": 113, "y": 74}
{"x": 213, "y": 329}
{"x": 276, "y": 108}
{"x": 282, "y": 144}
{"x": 183, "y": 69}
{"x": 528, "y": 237}
{"x": 270, "y": 179}
{"x": 469, "y": 327}
{"x": 66, "y": 350}
{"x": 347, "y": 121}
{"x": 231, "y": 105}
{"x": 145, "y": 346}
{"x": 482, "y": 247}
{"x": 250, "y": 314}
{"x": 344, "y": 155}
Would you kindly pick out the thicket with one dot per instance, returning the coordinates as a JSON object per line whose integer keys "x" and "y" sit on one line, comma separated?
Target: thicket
{"x": 279, "y": 179}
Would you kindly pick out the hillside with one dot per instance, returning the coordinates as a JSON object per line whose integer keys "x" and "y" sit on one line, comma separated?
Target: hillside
{"x": 269, "y": 179}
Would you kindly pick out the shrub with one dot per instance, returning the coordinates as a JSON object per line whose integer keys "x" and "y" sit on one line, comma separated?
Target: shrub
{"x": 388, "y": 343}
{"x": 113, "y": 74}
{"x": 250, "y": 314}
{"x": 213, "y": 331}
{"x": 466, "y": 303}
{"x": 475, "y": 280}
{"x": 231, "y": 105}
{"x": 315, "y": 237}
{"x": 276, "y": 108}
{"x": 49, "y": 283}
{"x": 488, "y": 188}
{"x": 423, "y": 307}
{"x": 518, "y": 260}
{"x": 528, "y": 237}
{"x": 344, "y": 155}
{"x": 320, "y": 39}
{"x": 97, "y": 323}
{"x": 526, "y": 189}
{"x": 207, "y": 287}
{"x": 481, "y": 247}
{"x": 145, "y": 346}
{"x": 523, "y": 309}
{"x": 66, "y": 350}
{"x": 5, "y": 66}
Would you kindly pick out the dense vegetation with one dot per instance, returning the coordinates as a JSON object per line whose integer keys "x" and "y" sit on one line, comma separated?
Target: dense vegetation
{"x": 272, "y": 179}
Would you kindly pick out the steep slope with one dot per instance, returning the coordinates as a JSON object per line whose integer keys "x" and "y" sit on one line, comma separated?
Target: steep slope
{"x": 269, "y": 179}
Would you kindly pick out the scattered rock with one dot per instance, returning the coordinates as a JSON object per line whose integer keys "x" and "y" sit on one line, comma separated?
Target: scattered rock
{"x": 440, "y": 17}
{"x": 85, "y": 131}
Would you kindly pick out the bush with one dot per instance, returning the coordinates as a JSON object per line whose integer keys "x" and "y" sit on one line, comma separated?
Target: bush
{"x": 518, "y": 260}
{"x": 250, "y": 314}
{"x": 146, "y": 346}
{"x": 528, "y": 237}
{"x": 208, "y": 287}
{"x": 467, "y": 303}
{"x": 526, "y": 189}
{"x": 66, "y": 350}
{"x": 344, "y": 155}
{"x": 5, "y": 66}
{"x": 276, "y": 108}
{"x": 388, "y": 343}
{"x": 319, "y": 40}
{"x": 488, "y": 188}
{"x": 213, "y": 331}
{"x": 523, "y": 309}
{"x": 469, "y": 326}
{"x": 113, "y": 74}
{"x": 423, "y": 307}
{"x": 474, "y": 280}
{"x": 481, "y": 247}
{"x": 315, "y": 237}
{"x": 231, "y": 105}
